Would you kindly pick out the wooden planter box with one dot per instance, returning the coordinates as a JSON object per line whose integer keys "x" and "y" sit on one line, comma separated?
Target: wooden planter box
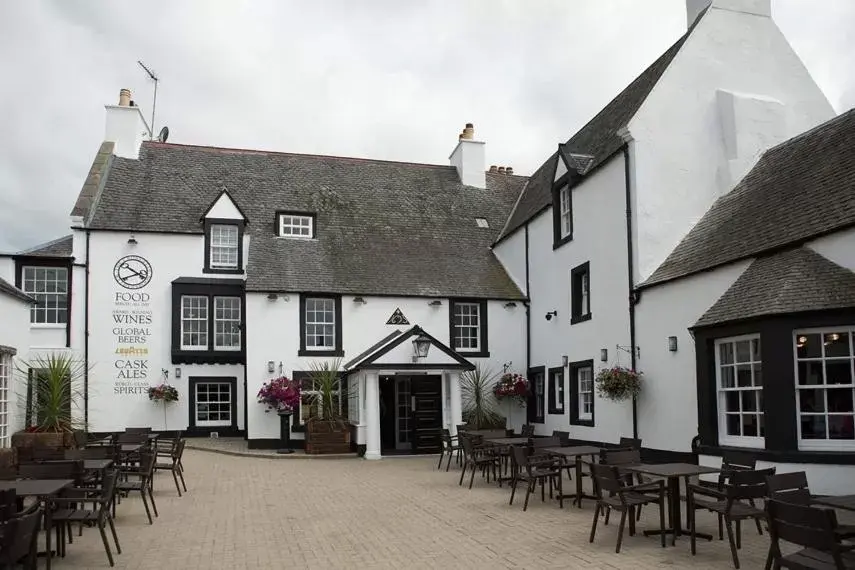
{"x": 324, "y": 437}
{"x": 24, "y": 442}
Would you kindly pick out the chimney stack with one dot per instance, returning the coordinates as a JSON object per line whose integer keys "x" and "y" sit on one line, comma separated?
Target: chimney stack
{"x": 468, "y": 158}
{"x": 501, "y": 170}
{"x": 509, "y": 170}
{"x": 125, "y": 126}
{"x": 494, "y": 169}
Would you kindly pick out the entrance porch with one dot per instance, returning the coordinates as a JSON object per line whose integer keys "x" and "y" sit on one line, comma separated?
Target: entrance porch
{"x": 403, "y": 391}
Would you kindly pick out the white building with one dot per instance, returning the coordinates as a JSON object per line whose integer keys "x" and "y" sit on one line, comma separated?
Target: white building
{"x": 656, "y": 237}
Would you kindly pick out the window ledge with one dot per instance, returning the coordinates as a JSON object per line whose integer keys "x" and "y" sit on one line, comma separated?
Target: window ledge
{"x": 555, "y": 412}
{"x": 786, "y": 456}
{"x": 208, "y": 357}
{"x": 479, "y": 354}
{"x": 49, "y": 326}
{"x": 224, "y": 270}
{"x": 562, "y": 241}
{"x": 583, "y": 423}
{"x": 304, "y": 352}
{"x": 576, "y": 319}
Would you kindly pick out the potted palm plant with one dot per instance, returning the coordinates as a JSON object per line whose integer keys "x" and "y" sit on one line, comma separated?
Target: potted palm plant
{"x": 327, "y": 428}
{"x": 53, "y": 400}
{"x": 477, "y": 399}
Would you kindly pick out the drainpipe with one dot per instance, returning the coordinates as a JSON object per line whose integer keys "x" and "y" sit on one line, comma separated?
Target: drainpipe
{"x": 86, "y": 341}
{"x": 527, "y": 308}
{"x": 632, "y": 295}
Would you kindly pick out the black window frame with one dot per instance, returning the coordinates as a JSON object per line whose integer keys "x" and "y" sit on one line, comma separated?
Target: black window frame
{"x": 484, "y": 349}
{"x": 531, "y": 405}
{"x": 553, "y": 406}
{"x": 192, "y": 428}
{"x": 209, "y": 288}
{"x": 241, "y": 227}
{"x": 277, "y": 227}
{"x": 338, "y": 350}
{"x": 557, "y": 239}
{"x": 57, "y": 262}
{"x": 576, "y": 274}
{"x": 573, "y": 392}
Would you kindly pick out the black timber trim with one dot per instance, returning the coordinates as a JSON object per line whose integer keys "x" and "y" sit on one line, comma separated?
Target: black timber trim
{"x": 192, "y": 428}
{"x": 482, "y": 320}
{"x": 67, "y": 263}
{"x": 312, "y": 215}
{"x": 209, "y": 288}
{"x": 267, "y": 290}
{"x": 240, "y": 224}
{"x": 779, "y": 386}
{"x": 774, "y": 456}
{"x": 460, "y": 362}
{"x": 337, "y": 351}
{"x": 367, "y": 352}
{"x": 531, "y": 405}
{"x": 554, "y": 406}
{"x": 576, "y": 315}
{"x": 573, "y": 390}
{"x": 270, "y": 443}
{"x": 234, "y": 203}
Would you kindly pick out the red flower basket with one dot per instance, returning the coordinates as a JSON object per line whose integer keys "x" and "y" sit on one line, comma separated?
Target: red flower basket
{"x": 280, "y": 395}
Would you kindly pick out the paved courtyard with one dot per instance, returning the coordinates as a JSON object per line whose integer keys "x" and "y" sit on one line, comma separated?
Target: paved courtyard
{"x": 256, "y": 512}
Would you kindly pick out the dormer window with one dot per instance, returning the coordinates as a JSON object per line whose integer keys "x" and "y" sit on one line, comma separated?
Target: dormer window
{"x": 296, "y": 225}
{"x": 223, "y": 250}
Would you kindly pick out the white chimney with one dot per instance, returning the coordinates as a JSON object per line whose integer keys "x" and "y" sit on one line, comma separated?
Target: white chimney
{"x": 468, "y": 158}
{"x": 756, "y": 7}
{"x": 126, "y": 126}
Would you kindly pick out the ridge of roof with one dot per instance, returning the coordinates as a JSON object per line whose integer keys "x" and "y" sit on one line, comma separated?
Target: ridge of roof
{"x": 598, "y": 137}
{"x": 813, "y": 169}
{"x": 792, "y": 281}
{"x": 59, "y": 247}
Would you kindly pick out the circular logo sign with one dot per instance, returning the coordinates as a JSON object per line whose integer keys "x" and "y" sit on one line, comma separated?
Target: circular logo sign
{"x": 132, "y": 272}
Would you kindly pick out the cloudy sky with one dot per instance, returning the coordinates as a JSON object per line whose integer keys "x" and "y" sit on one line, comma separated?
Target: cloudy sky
{"x": 386, "y": 79}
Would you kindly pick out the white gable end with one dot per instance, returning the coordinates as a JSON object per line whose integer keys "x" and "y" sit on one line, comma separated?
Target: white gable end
{"x": 561, "y": 169}
{"x": 224, "y": 208}
{"x": 403, "y": 354}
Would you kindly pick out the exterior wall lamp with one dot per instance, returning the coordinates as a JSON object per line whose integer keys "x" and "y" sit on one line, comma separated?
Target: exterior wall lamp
{"x": 421, "y": 346}
{"x": 435, "y": 303}
{"x": 604, "y": 355}
{"x": 510, "y": 305}
{"x": 672, "y": 343}
{"x": 359, "y": 300}
{"x": 271, "y": 366}
{"x": 178, "y": 373}
{"x": 132, "y": 240}
{"x": 272, "y": 296}
{"x": 551, "y": 314}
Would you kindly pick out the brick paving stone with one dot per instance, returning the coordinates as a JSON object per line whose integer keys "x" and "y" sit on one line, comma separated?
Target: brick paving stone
{"x": 397, "y": 513}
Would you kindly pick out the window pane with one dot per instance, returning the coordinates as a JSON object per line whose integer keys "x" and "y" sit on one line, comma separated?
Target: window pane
{"x": 838, "y": 371}
{"x": 733, "y": 425}
{"x": 810, "y": 373}
{"x": 836, "y": 344}
{"x": 758, "y": 374}
{"x": 749, "y": 425}
{"x": 749, "y": 401}
{"x": 809, "y": 346}
{"x": 812, "y": 400}
{"x": 840, "y": 427}
{"x": 743, "y": 375}
{"x": 725, "y": 351}
{"x": 743, "y": 351}
{"x": 727, "y": 377}
{"x": 813, "y": 427}
{"x": 731, "y": 402}
{"x": 839, "y": 399}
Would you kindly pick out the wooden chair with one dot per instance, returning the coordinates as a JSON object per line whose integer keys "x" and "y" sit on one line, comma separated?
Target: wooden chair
{"x": 613, "y": 492}
{"x": 793, "y": 488}
{"x": 814, "y": 530}
{"x": 630, "y": 443}
{"x": 450, "y": 446}
{"x": 19, "y": 537}
{"x": 8, "y": 504}
{"x": 527, "y": 430}
{"x": 477, "y": 458}
{"x": 532, "y": 469}
{"x": 141, "y": 483}
{"x": 730, "y": 505}
{"x": 173, "y": 465}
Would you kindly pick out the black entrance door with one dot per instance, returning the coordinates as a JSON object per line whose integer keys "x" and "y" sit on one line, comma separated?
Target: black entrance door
{"x": 426, "y": 393}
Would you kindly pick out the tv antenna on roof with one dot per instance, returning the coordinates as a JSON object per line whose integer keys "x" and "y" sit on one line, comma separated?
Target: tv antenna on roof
{"x": 154, "y": 102}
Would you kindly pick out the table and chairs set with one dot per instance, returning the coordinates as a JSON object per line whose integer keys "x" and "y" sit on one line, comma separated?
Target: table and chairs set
{"x": 778, "y": 505}
{"x": 60, "y": 491}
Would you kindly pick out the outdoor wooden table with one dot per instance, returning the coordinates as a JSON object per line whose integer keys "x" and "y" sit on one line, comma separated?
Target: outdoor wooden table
{"x": 672, "y": 472}
{"x": 96, "y": 464}
{"x": 42, "y": 490}
{"x": 131, "y": 447}
{"x": 500, "y": 441}
{"x": 845, "y": 502}
{"x": 576, "y": 453}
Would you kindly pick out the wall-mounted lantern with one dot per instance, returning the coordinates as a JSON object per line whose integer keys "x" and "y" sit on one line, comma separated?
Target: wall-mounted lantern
{"x": 271, "y": 366}
{"x": 178, "y": 373}
{"x": 604, "y": 355}
{"x": 550, "y": 314}
{"x": 132, "y": 240}
{"x": 672, "y": 343}
{"x": 435, "y": 303}
{"x": 421, "y": 345}
{"x": 510, "y": 305}
{"x": 272, "y": 296}
{"x": 359, "y": 300}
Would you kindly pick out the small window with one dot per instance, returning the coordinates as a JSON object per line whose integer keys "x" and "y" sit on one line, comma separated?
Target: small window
{"x": 582, "y": 393}
{"x": 740, "y": 391}
{"x": 5, "y": 383}
{"x": 482, "y": 222}
{"x": 565, "y": 211}
{"x": 469, "y": 327}
{"x": 536, "y": 405}
{"x": 194, "y": 322}
{"x": 562, "y": 215}
{"x": 49, "y": 287}
{"x": 224, "y": 246}
{"x": 320, "y": 325}
{"x": 297, "y": 226}
{"x": 580, "y": 293}
{"x": 556, "y": 390}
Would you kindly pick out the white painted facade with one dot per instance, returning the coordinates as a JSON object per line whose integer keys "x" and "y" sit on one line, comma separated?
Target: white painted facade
{"x": 734, "y": 89}
{"x": 14, "y": 335}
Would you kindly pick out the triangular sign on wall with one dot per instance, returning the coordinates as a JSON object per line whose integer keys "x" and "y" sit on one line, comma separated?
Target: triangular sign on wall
{"x": 397, "y": 318}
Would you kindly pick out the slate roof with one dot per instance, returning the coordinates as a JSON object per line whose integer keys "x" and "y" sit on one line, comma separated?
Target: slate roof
{"x": 798, "y": 190}
{"x": 793, "y": 281}
{"x": 12, "y": 291}
{"x": 383, "y": 227}
{"x": 60, "y": 247}
{"x": 598, "y": 139}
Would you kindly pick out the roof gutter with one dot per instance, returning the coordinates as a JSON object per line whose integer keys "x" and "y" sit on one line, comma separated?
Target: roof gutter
{"x": 86, "y": 340}
{"x": 633, "y": 296}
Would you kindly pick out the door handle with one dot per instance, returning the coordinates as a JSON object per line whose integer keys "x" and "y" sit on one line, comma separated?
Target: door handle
{"x": 412, "y": 403}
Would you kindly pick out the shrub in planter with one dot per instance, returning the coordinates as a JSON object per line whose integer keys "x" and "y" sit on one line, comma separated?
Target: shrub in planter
{"x": 477, "y": 399}
{"x": 327, "y": 428}
{"x": 618, "y": 383}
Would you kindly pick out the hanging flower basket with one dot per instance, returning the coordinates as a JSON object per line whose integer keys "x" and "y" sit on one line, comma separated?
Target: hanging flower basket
{"x": 618, "y": 383}
{"x": 163, "y": 393}
{"x": 280, "y": 395}
{"x": 512, "y": 387}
